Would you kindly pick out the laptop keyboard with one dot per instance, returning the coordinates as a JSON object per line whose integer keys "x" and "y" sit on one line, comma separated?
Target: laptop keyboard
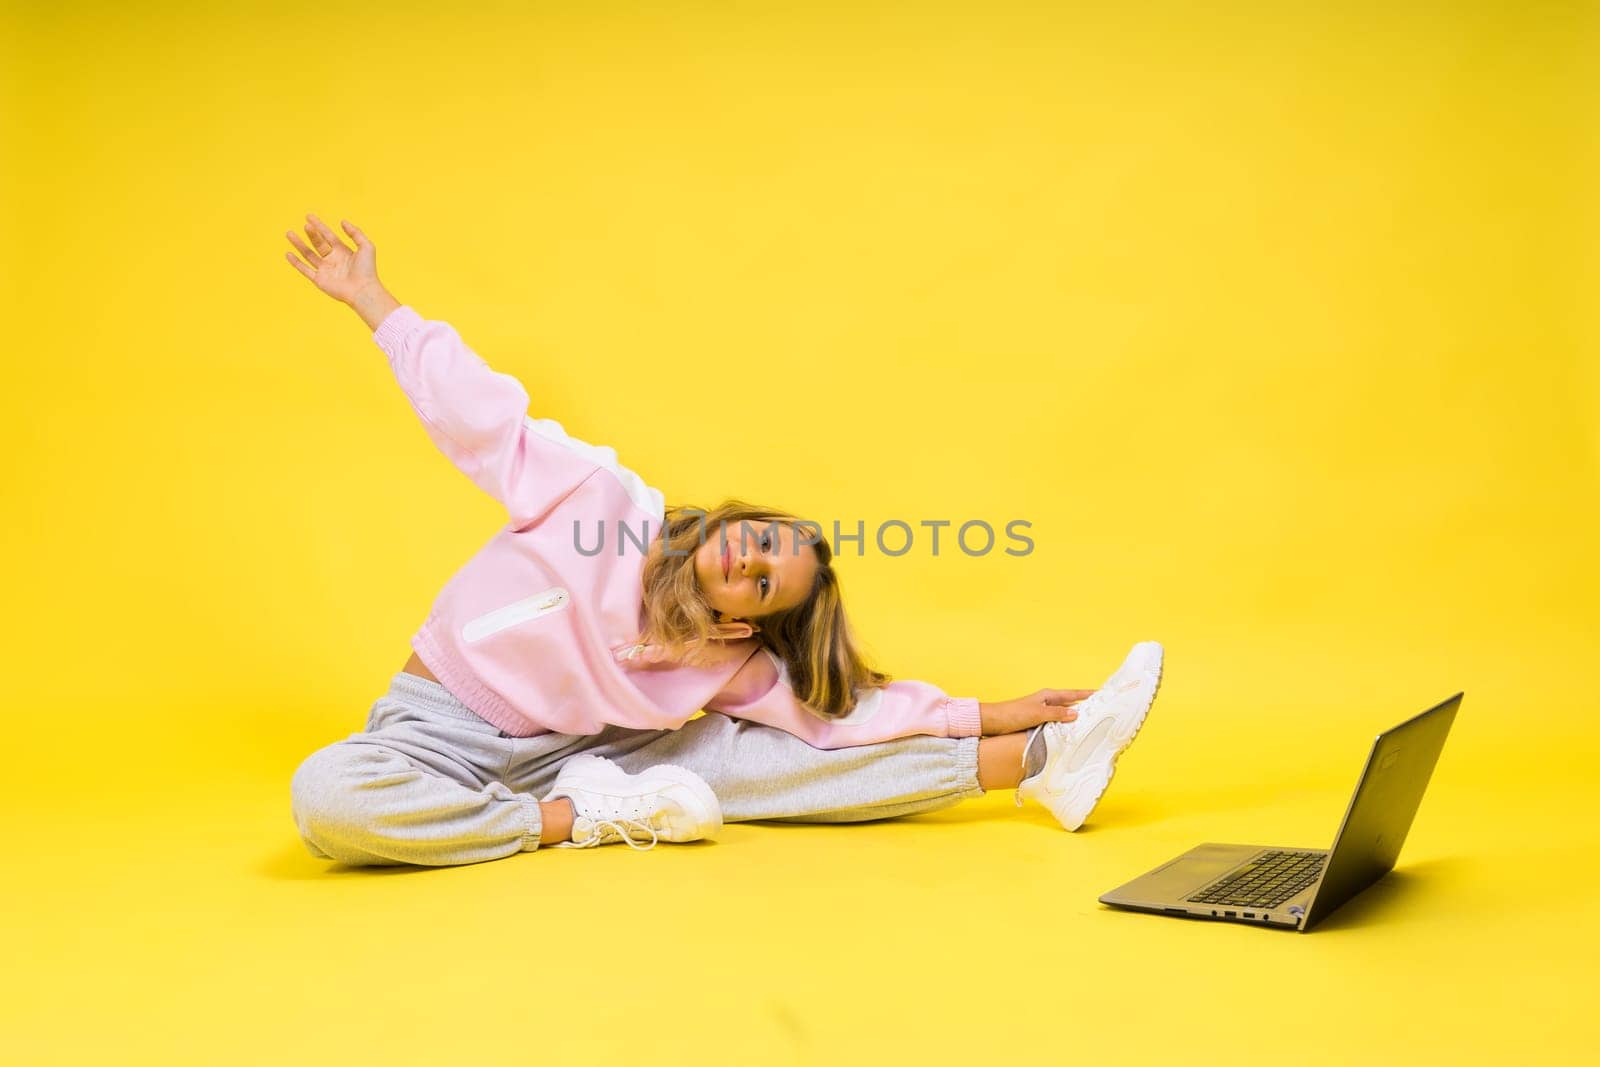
{"x": 1265, "y": 882}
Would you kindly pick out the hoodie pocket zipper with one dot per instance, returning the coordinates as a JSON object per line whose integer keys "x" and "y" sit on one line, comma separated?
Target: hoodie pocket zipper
{"x": 520, "y": 611}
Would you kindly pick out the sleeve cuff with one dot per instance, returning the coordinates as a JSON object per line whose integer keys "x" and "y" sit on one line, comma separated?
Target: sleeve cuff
{"x": 394, "y": 327}
{"x": 962, "y": 713}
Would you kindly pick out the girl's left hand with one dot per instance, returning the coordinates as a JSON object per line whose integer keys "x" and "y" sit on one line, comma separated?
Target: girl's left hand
{"x": 1024, "y": 713}
{"x": 330, "y": 264}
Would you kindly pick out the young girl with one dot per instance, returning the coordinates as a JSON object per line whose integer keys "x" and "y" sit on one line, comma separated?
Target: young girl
{"x": 548, "y": 697}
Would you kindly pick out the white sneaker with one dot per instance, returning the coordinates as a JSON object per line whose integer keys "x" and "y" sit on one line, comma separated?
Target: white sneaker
{"x": 665, "y": 803}
{"x": 1081, "y": 755}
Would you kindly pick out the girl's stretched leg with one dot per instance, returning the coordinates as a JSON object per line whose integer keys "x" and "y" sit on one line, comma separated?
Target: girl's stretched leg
{"x": 761, "y": 772}
{"x": 1000, "y": 760}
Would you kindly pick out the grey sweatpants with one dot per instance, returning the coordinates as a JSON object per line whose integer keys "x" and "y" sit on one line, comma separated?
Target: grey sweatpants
{"x": 429, "y": 782}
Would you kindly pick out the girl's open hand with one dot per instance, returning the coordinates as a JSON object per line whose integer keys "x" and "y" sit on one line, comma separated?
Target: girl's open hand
{"x": 1024, "y": 713}
{"x": 331, "y": 266}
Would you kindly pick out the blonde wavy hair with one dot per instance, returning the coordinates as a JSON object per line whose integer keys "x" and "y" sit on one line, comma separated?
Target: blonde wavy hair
{"x": 813, "y": 639}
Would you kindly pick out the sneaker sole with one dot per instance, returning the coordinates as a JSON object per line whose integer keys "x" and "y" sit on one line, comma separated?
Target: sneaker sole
{"x": 1122, "y": 743}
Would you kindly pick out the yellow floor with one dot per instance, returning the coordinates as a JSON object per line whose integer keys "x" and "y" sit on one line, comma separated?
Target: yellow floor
{"x": 181, "y": 922}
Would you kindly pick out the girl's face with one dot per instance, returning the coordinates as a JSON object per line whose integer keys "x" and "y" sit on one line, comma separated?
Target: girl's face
{"x": 749, "y": 569}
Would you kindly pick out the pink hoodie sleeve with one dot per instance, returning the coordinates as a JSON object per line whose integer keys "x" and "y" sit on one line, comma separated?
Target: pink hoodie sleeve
{"x": 760, "y": 692}
{"x": 478, "y": 418}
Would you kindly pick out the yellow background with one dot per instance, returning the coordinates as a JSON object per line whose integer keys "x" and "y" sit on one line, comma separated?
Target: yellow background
{"x": 1274, "y": 321}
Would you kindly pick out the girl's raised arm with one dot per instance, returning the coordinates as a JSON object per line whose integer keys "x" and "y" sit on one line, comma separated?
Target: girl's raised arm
{"x": 476, "y": 416}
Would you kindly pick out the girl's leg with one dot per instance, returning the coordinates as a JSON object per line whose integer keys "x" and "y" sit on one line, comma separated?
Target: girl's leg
{"x": 761, "y": 772}
{"x": 1000, "y": 760}
{"x": 420, "y": 785}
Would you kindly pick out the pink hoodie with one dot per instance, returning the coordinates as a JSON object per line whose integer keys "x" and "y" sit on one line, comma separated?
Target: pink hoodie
{"x": 536, "y": 636}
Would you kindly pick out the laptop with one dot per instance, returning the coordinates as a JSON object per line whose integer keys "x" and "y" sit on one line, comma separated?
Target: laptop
{"x": 1295, "y": 888}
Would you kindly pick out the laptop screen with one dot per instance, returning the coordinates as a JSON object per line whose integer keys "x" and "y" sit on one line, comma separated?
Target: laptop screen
{"x": 1380, "y": 813}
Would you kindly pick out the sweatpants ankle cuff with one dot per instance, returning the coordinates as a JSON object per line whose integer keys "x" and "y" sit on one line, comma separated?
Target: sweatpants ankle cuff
{"x": 967, "y": 766}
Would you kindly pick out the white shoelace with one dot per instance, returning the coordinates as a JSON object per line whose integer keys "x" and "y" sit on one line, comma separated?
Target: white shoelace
{"x": 611, "y": 818}
{"x": 605, "y": 830}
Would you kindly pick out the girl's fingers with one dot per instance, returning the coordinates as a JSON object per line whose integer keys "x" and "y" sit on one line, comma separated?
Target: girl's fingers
{"x": 294, "y": 239}
{"x": 319, "y": 242}
{"x": 300, "y": 266}
{"x": 328, "y": 237}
